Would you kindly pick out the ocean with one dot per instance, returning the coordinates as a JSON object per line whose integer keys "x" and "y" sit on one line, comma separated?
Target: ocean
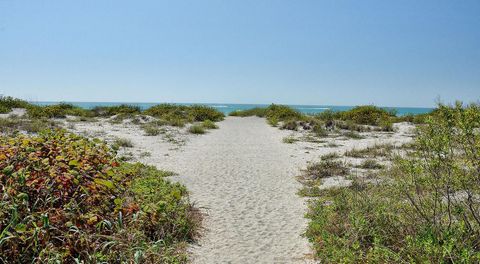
{"x": 227, "y": 108}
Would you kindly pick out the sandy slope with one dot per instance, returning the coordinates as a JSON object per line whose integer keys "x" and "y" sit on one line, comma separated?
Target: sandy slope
{"x": 243, "y": 177}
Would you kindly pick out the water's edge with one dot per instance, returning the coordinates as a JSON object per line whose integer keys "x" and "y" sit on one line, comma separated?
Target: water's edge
{"x": 227, "y": 108}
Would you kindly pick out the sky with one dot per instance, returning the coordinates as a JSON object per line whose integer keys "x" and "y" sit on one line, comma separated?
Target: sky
{"x": 337, "y": 52}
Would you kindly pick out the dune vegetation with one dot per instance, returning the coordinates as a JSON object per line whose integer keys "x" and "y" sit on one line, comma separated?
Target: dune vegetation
{"x": 39, "y": 117}
{"x": 424, "y": 208}
{"x": 358, "y": 119}
{"x": 68, "y": 199}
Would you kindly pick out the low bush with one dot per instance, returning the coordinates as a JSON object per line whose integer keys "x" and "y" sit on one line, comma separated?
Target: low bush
{"x": 56, "y": 111}
{"x": 207, "y": 124}
{"x": 178, "y": 115}
{"x": 67, "y": 199}
{"x": 367, "y": 115}
{"x": 257, "y": 111}
{"x": 108, "y": 111}
{"x": 196, "y": 129}
{"x": 425, "y": 210}
{"x": 7, "y": 103}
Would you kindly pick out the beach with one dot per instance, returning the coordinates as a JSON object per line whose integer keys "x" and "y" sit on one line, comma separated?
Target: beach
{"x": 243, "y": 177}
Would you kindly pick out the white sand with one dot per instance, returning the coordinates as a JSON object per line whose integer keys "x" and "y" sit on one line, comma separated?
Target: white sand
{"x": 244, "y": 179}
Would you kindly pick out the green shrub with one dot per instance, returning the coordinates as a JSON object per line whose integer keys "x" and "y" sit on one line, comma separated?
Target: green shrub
{"x": 207, "y": 124}
{"x": 56, "y": 111}
{"x": 425, "y": 209}
{"x": 4, "y": 109}
{"x": 274, "y": 113}
{"x": 107, "y": 111}
{"x": 196, "y": 129}
{"x": 178, "y": 115}
{"x": 7, "y": 103}
{"x": 282, "y": 113}
{"x": 367, "y": 115}
{"x": 67, "y": 199}
{"x": 257, "y": 111}
{"x": 201, "y": 113}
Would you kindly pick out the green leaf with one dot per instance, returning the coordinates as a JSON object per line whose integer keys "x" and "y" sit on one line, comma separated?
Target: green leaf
{"x": 105, "y": 183}
{"x": 73, "y": 163}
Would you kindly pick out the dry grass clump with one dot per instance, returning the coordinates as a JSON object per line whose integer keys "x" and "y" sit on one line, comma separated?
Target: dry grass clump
{"x": 382, "y": 150}
{"x": 353, "y": 135}
{"x": 289, "y": 140}
{"x": 11, "y": 125}
{"x": 123, "y": 142}
{"x": 325, "y": 168}
{"x": 370, "y": 164}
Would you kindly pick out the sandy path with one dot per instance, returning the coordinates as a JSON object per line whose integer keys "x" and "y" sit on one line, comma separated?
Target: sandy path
{"x": 242, "y": 175}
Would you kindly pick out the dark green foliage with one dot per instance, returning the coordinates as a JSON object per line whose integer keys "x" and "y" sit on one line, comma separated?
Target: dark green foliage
{"x": 7, "y": 103}
{"x": 425, "y": 210}
{"x": 107, "y": 111}
{"x": 179, "y": 115}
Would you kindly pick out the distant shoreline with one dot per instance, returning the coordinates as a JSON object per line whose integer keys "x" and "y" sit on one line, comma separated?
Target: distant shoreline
{"x": 227, "y": 108}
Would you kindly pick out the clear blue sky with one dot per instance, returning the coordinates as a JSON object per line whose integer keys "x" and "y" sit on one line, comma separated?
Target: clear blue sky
{"x": 389, "y": 53}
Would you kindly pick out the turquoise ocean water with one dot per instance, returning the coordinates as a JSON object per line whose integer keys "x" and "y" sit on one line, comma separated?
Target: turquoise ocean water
{"x": 227, "y": 108}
